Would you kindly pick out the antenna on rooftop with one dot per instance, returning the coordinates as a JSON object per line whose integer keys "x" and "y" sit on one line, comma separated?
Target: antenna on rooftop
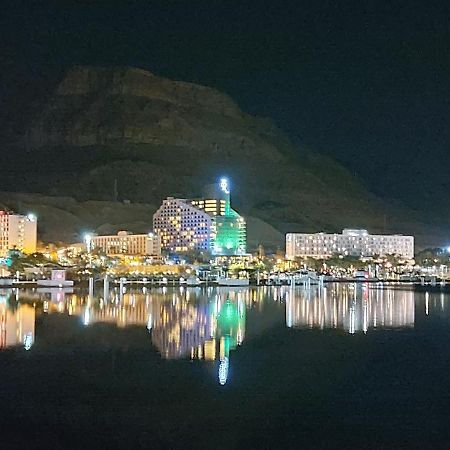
{"x": 115, "y": 191}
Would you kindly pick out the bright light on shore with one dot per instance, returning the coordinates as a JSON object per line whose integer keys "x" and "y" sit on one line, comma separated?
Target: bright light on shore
{"x": 88, "y": 241}
{"x": 224, "y": 185}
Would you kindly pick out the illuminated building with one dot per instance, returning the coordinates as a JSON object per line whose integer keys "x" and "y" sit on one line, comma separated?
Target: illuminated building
{"x": 17, "y": 232}
{"x": 244, "y": 261}
{"x": 208, "y": 223}
{"x": 125, "y": 243}
{"x": 229, "y": 228}
{"x": 182, "y": 227}
{"x": 350, "y": 242}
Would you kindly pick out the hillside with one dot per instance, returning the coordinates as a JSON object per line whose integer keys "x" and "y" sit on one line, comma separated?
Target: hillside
{"x": 63, "y": 219}
{"x": 110, "y": 134}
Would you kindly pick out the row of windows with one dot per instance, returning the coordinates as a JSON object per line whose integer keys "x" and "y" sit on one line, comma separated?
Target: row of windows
{"x": 347, "y": 239}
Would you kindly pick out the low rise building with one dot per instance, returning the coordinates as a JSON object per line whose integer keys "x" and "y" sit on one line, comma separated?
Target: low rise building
{"x": 17, "y": 232}
{"x": 352, "y": 242}
{"x": 124, "y": 243}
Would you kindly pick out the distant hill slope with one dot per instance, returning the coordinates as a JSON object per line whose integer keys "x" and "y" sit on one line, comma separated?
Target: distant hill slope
{"x": 151, "y": 137}
{"x": 63, "y": 219}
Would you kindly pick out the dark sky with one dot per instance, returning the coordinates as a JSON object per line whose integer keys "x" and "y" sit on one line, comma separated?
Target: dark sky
{"x": 367, "y": 82}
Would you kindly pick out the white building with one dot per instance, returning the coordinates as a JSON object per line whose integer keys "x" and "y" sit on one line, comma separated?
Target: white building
{"x": 350, "y": 242}
{"x": 17, "y": 232}
{"x": 182, "y": 227}
{"x": 124, "y": 243}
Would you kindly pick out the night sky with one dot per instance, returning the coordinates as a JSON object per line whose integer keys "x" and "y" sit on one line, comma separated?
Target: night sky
{"x": 366, "y": 82}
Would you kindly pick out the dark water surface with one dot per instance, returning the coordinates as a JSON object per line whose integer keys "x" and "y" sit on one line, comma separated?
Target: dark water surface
{"x": 344, "y": 366}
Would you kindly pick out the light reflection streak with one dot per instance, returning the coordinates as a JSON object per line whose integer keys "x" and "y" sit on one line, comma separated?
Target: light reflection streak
{"x": 210, "y": 324}
{"x": 353, "y": 309}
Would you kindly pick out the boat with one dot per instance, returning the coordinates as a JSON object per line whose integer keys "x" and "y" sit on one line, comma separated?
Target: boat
{"x": 55, "y": 283}
{"x": 58, "y": 279}
{"x": 233, "y": 281}
{"x": 307, "y": 277}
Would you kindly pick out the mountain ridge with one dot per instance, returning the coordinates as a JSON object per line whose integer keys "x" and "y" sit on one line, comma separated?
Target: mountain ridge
{"x": 153, "y": 137}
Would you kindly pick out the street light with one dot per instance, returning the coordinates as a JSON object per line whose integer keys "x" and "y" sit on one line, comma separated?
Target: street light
{"x": 88, "y": 242}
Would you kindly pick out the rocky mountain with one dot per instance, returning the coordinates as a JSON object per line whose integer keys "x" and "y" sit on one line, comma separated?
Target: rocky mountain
{"x": 114, "y": 134}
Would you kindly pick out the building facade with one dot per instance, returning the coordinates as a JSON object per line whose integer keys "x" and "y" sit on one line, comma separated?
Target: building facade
{"x": 182, "y": 227}
{"x": 204, "y": 224}
{"x": 124, "y": 243}
{"x": 17, "y": 232}
{"x": 351, "y": 242}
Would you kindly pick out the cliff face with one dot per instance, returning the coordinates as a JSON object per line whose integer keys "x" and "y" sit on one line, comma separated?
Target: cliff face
{"x": 159, "y": 137}
{"x": 96, "y": 106}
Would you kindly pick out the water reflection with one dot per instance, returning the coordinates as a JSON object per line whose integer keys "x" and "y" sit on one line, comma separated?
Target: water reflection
{"x": 17, "y": 321}
{"x": 353, "y": 308}
{"x": 208, "y": 324}
{"x": 184, "y": 323}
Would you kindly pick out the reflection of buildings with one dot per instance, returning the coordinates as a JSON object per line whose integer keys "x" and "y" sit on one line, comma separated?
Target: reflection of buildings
{"x": 16, "y": 325}
{"x": 350, "y": 307}
{"x": 202, "y": 330}
{"x": 184, "y": 323}
{"x": 178, "y": 327}
{"x": 226, "y": 333}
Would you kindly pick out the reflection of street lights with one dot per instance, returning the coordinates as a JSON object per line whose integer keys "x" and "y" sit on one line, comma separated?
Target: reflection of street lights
{"x": 88, "y": 242}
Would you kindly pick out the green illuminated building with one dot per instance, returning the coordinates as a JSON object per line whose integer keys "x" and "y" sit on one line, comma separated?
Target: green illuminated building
{"x": 228, "y": 228}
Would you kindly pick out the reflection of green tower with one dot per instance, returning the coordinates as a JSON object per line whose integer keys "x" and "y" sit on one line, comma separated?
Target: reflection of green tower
{"x": 230, "y": 329}
{"x": 231, "y": 325}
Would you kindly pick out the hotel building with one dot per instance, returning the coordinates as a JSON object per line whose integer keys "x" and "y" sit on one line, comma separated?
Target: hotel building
{"x": 124, "y": 243}
{"x": 208, "y": 223}
{"x": 17, "y": 232}
{"x": 350, "y": 242}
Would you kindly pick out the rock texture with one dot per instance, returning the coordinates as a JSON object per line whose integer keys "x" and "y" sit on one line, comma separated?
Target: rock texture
{"x": 124, "y": 133}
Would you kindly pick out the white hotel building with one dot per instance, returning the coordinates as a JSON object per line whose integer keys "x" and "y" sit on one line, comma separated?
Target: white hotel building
{"x": 182, "y": 226}
{"x": 350, "y": 242}
{"x": 17, "y": 232}
{"x": 124, "y": 243}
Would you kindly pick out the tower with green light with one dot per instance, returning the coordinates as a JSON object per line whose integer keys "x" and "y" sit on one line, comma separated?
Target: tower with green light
{"x": 183, "y": 225}
{"x": 229, "y": 230}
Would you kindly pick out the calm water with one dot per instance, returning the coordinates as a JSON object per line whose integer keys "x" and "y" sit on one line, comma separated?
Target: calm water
{"x": 344, "y": 366}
